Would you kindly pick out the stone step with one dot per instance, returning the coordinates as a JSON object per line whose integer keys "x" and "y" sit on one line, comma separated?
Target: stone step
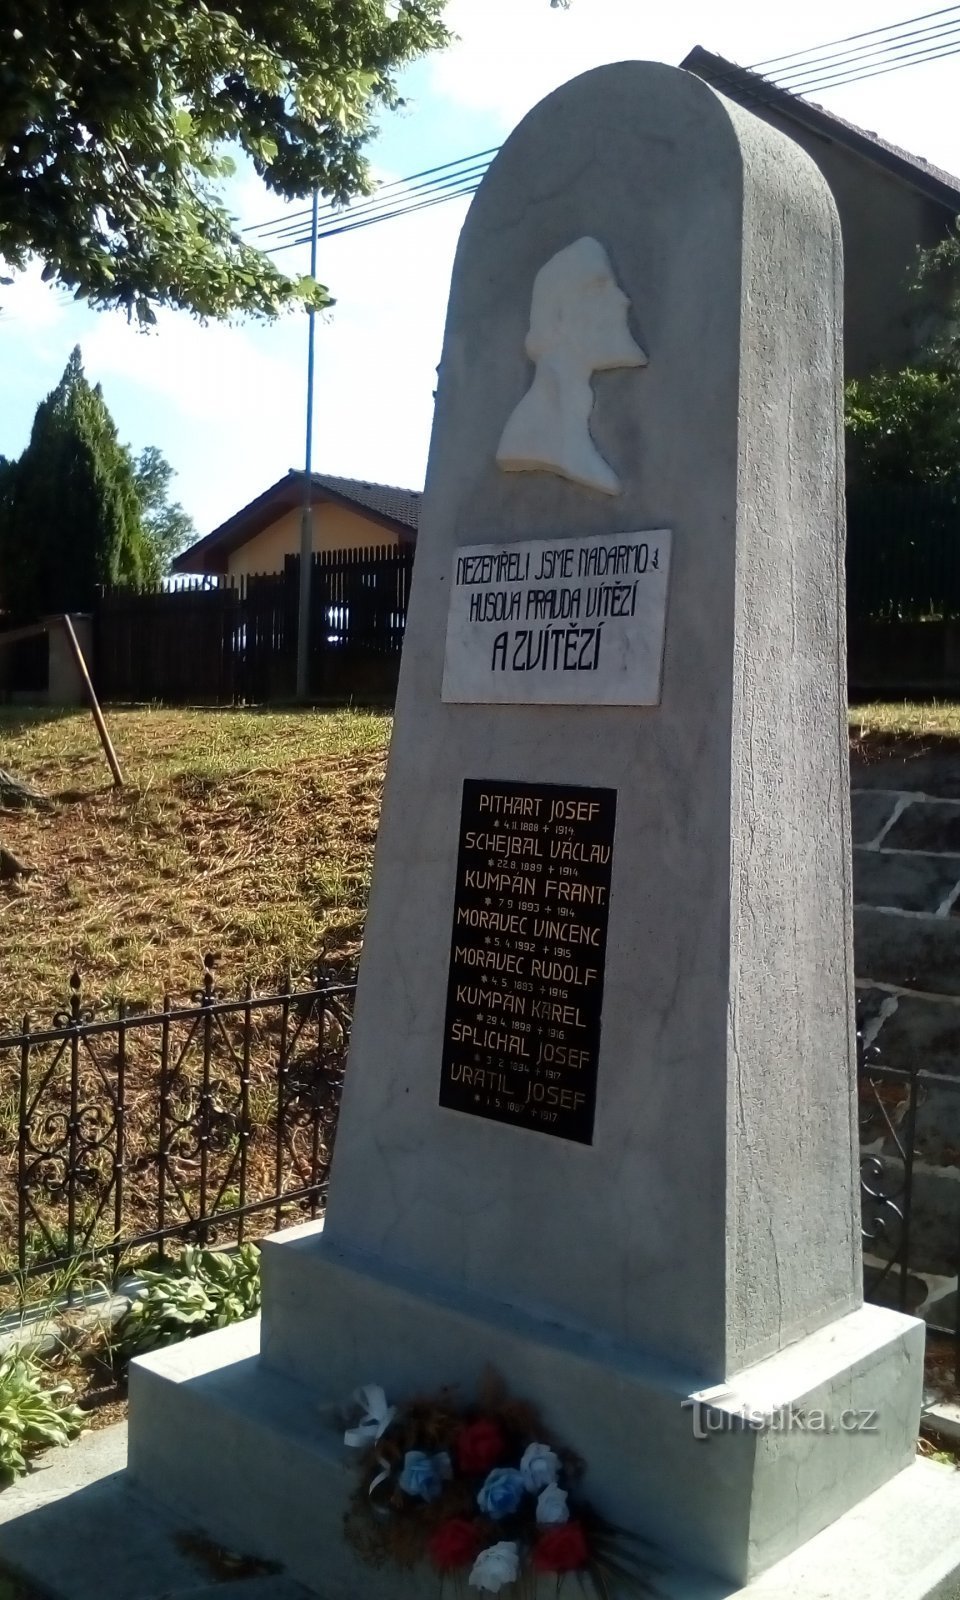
{"x": 915, "y": 1032}
{"x": 74, "y": 1529}
{"x": 931, "y": 771}
{"x": 213, "y": 1427}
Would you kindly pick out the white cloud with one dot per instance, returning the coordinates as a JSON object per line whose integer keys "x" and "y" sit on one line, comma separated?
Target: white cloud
{"x": 33, "y": 305}
{"x": 511, "y": 53}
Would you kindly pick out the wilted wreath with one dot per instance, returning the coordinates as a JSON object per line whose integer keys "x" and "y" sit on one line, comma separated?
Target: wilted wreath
{"x": 482, "y": 1492}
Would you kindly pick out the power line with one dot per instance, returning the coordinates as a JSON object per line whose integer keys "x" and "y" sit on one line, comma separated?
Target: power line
{"x": 390, "y": 216}
{"x": 386, "y": 202}
{"x": 874, "y": 70}
{"x": 881, "y": 48}
{"x": 383, "y": 190}
{"x": 816, "y": 49}
{"x": 814, "y": 72}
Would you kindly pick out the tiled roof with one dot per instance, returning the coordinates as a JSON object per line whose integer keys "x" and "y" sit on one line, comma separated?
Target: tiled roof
{"x": 751, "y": 88}
{"x": 403, "y": 505}
{"x": 393, "y": 508}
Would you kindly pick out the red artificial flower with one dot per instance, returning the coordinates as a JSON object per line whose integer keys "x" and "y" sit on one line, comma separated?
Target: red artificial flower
{"x": 455, "y": 1544}
{"x": 479, "y": 1446}
{"x": 562, "y": 1549}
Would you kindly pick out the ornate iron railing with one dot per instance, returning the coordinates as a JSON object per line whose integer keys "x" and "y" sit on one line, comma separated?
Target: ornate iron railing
{"x": 909, "y": 1195}
{"x": 128, "y": 1131}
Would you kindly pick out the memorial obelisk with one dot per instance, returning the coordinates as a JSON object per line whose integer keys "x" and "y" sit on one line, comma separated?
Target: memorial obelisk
{"x": 598, "y": 1127}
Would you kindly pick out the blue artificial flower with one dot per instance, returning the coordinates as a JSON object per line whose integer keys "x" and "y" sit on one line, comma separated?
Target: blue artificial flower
{"x": 502, "y": 1493}
{"x": 423, "y": 1476}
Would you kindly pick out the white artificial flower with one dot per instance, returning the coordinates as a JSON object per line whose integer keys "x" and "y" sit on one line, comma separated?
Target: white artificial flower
{"x": 495, "y": 1567}
{"x": 539, "y": 1467}
{"x": 552, "y": 1508}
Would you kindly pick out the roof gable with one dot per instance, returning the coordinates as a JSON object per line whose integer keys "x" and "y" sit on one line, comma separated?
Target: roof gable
{"x": 751, "y": 88}
{"x": 390, "y": 507}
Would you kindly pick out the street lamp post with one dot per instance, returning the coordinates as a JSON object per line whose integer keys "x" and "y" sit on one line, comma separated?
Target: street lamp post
{"x": 306, "y": 517}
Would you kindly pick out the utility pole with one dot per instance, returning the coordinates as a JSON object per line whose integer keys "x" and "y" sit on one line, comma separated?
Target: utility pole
{"x": 306, "y": 518}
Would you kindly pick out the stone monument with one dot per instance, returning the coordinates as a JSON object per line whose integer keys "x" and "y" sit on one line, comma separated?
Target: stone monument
{"x": 598, "y": 1127}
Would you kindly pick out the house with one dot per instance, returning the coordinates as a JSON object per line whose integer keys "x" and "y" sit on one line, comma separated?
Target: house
{"x": 889, "y": 203}
{"x": 347, "y": 515}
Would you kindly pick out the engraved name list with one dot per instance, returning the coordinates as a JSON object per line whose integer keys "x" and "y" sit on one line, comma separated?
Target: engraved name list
{"x": 528, "y": 948}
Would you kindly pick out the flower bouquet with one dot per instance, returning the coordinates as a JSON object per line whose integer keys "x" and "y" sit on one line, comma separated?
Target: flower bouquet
{"x": 482, "y": 1493}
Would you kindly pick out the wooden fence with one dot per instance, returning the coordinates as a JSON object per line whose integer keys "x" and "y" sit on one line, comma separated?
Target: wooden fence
{"x": 219, "y": 642}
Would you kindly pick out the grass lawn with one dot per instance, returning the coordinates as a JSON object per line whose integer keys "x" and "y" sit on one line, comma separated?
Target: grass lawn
{"x": 245, "y": 833}
{"x": 936, "y": 719}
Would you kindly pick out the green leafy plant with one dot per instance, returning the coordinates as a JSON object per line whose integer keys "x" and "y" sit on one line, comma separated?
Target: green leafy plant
{"x": 205, "y": 1289}
{"x": 32, "y": 1414}
{"x": 120, "y": 121}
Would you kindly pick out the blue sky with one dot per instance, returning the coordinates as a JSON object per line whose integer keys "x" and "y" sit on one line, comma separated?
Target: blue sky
{"x": 226, "y": 403}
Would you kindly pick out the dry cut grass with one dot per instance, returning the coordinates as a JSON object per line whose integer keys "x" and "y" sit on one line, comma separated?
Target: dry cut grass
{"x": 248, "y": 834}
{"x": 906, "y": 719}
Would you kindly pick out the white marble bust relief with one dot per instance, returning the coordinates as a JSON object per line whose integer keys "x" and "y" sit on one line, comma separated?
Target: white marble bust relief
{"x": 578, "y": 326}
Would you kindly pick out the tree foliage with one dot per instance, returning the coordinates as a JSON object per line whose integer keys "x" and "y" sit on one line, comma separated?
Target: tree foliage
{"x": 117, "y": 118}
{"x": 904, "y": 426}
{"x": 167, "y": 526}
{"x": 70, "y": 519}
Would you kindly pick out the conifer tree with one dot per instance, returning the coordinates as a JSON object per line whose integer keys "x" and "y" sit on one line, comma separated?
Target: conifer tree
{"x": 70, "y": 518}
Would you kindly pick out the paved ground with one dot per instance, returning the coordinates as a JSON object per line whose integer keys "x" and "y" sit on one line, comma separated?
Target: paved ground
{"x": 76, "y": 1532}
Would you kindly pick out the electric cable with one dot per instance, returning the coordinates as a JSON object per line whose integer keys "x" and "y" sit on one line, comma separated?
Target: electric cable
{"x": 802, "y": 72}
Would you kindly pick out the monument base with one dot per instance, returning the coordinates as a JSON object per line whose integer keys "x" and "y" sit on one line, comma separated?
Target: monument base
{"x": 234, "y": 1448}
{"x": 729, "y": 1480}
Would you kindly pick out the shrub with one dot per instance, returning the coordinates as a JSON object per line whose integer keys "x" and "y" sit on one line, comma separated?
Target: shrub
{"x": 205, "y": 1289}
{"x": 31, "y": 1414}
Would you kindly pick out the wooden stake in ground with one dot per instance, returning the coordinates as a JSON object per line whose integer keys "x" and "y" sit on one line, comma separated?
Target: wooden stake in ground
{"x": 16, "y": 634}
{"x": 105, "y": 739}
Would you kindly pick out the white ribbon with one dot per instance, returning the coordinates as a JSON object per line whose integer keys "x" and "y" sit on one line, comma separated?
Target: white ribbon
{"x": 376, "y": 1419}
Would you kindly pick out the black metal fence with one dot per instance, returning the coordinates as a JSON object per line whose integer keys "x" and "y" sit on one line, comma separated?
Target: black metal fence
{"x": 903, "y": 589}
{"x": 903, "y": 552}
{"x": 910, "y": 1145}
{"x": 199, "y": 1122}
{"x": 222, "y": 642}
{"x": 214, "y": 1120}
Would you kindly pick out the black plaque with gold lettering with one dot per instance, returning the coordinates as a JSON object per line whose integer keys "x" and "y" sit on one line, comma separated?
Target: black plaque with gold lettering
{"x": 525, "y": 991}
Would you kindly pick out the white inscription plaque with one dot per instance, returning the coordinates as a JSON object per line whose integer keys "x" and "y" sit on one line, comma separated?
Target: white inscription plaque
{"x": 558, "y": 621}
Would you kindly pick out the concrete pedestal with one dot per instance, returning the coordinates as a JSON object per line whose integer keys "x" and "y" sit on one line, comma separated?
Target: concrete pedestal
{"x": 731, "y": 1478}
{"x": 218, "y": 1434}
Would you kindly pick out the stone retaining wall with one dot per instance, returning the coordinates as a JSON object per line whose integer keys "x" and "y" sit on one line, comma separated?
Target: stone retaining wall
{"x": 906, "y": 875}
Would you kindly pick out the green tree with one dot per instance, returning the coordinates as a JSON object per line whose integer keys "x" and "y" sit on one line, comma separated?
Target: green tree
{"x": 70, "y": 519}
{"x": 904, "y": 427}
{"x": 167, "y": 526}
{"x": 117, "y": 116}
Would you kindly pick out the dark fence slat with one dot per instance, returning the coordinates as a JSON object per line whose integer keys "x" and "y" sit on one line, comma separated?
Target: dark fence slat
{"x": 903, "y": 552}
{"x": 226, "y": 642}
